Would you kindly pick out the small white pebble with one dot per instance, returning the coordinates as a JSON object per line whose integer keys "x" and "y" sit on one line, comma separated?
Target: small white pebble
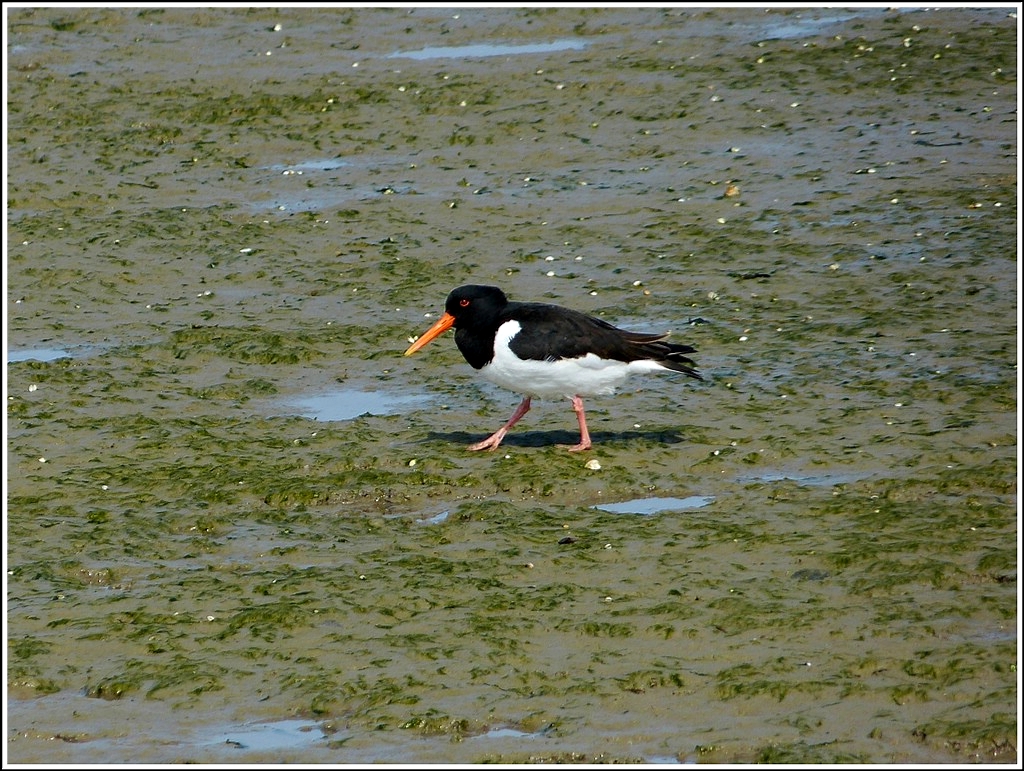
{"x": 412, "y": 462}
{"x": 42, "y": 460}
{"x": 33, "y": 387}
{"x": 593, "y": 465}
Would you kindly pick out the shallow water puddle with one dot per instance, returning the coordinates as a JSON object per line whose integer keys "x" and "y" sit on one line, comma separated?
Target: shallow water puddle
{"x": 348, "y": 404}
{"x": 799, "y": 25}
{"x": 437, "y": 519}
{"x": 283, "y": 735}
{"x": 325, "y": 164}
{"x": 505, "y": 733}
{"x": 38, "y": 354}
{"x": 488, "y": 49}
{"x": 648, "y": 506}
{"x": 668, "y": 760}
{"x": 811, "y": 480}
{"x": 305, "y": 200}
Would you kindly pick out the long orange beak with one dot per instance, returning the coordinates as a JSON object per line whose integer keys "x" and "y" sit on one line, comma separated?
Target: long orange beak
{"x": 443, "y": 325}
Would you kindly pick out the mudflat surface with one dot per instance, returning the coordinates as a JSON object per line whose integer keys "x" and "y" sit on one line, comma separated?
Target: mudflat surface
{"x": 243, "y": 528}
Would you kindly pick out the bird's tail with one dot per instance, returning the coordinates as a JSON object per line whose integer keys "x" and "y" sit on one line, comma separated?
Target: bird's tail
{"x": 669, "y": 355}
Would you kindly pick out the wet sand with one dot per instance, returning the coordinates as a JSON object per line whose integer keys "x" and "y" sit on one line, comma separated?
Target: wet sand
{"x": 242, "y": 527}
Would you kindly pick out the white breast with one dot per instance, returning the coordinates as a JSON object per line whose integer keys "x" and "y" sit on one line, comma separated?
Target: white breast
{"x": 585, "y": 376}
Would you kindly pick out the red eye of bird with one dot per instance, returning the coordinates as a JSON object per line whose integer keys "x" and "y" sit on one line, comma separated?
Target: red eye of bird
{"x": 463, "y": 303}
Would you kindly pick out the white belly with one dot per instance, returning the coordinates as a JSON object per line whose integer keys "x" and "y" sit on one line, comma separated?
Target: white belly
{"x": 585, "y": 376}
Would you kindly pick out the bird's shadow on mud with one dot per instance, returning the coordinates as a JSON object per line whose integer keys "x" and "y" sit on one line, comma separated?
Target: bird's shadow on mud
{"x": 549, "y": 438}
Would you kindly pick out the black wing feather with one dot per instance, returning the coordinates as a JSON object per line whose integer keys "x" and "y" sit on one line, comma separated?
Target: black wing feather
{"x": 551, "y": 332}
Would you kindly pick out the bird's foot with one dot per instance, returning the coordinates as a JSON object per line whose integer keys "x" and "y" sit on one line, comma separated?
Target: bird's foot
{"x": 579, "y": 447}
{"x": 490, "y": 443}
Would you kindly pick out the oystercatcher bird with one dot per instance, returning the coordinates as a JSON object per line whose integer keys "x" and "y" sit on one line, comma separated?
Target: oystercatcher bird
{"x": 543, "y": 350}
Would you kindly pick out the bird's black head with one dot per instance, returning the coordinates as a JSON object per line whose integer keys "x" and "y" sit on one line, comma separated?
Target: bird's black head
{"x": 473, "y": 304}
{"x": 474, "y": 311}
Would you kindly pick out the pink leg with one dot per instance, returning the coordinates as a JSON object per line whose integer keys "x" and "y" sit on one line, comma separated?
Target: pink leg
{"x": 492, "y": 442}
{"x": 577, "y": 405}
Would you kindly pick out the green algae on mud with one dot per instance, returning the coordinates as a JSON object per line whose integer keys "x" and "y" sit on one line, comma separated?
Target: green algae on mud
{"x": 822, "y": 202}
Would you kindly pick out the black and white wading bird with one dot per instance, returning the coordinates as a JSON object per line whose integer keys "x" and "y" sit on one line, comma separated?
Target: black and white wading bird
{"x": 543, "y": 351}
